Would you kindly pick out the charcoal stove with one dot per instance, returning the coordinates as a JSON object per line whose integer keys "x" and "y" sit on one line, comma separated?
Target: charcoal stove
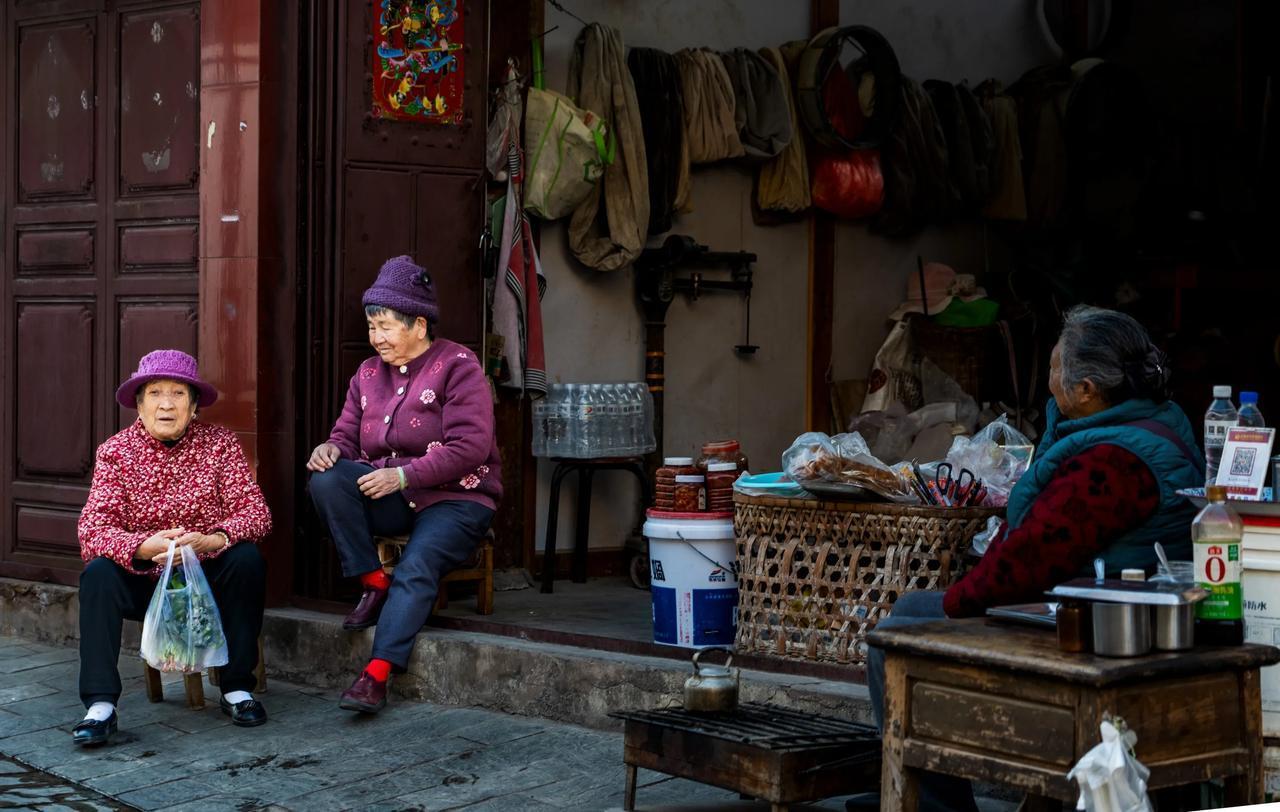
{"x": 773, "y": 754}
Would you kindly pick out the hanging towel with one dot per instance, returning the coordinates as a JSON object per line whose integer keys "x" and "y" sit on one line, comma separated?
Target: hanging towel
{"x": 1009, "y": 196}
{"x": 709, "y": 124}
{"x": 657, "y": 82}
{"x": 784, "y": 181}
{"x": 608, "y": 229}
{"x": 517, "y": 298}
{"x": 761, "y": 112}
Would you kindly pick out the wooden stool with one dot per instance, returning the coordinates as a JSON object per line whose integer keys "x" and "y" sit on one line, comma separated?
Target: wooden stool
{"x": 194, "y": 684}
{"x": 478, "y": 568}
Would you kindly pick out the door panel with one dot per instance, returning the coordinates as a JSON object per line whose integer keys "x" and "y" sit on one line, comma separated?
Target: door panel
{"x": 159, "y": 77}
{"x": 57, "y": 94}
{"x": 98, "y": 245}
{"x": 55, "y": 418}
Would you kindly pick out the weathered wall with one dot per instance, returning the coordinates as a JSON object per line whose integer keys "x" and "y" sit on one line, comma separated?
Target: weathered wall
{"x": 594, "y": 330}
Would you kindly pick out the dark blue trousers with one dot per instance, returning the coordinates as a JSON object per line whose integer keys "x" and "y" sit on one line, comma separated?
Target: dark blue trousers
{"x": 441, "y": 537}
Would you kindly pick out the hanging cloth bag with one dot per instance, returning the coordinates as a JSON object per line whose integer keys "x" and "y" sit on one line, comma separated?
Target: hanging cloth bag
{"x": 568, "y": 149}
{"x": 182, "y": 630}
{"x": 608, "y": 228}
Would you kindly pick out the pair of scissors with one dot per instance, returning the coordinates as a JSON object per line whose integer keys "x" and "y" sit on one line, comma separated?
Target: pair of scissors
{"x": 953, "y": 489}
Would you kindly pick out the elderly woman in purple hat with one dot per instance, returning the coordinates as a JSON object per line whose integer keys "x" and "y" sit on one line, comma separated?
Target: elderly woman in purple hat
{"x": 412, "y": 452}
{"x": 169, "y": 477}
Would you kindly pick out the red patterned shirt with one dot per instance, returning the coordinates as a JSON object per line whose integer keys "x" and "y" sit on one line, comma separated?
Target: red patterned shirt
{"x": 1093, "y": 499}
{"x": 141, "y": 486}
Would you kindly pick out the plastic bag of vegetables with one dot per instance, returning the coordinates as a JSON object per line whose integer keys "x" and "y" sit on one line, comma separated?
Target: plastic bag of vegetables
{"x": 182, "y": 630}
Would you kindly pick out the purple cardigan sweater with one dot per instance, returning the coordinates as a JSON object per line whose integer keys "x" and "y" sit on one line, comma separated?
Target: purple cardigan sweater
{"x": 433, "y": 417}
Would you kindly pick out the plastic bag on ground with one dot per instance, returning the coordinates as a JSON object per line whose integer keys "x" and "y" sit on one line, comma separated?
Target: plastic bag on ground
{"x": 998, "y": 455}
{"x": 843, "y": 459}
{"x": 1111, "y": 779}
{"x": 182, "y": 630}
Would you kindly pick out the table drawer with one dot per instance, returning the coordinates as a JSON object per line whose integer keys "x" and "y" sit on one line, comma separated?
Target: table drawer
{"x": 993, "y": 723}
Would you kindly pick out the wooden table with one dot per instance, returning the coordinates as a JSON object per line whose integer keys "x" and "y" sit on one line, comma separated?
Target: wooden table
{"x": 1001, "y": 703}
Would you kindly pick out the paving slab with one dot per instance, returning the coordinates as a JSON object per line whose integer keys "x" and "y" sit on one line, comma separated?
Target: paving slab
{"x": 313, "y": 757}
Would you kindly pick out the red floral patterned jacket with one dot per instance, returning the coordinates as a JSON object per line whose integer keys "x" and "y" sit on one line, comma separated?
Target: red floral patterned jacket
{"x": 141, "y": 486}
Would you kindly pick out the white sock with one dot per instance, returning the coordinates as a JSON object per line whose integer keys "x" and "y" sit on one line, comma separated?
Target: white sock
{"x": 236, "y": 697}
{"x": 100, "y": 711}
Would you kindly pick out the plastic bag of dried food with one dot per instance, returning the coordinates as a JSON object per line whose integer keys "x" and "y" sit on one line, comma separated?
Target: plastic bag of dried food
{"x": 843, "y": 460}
{"x": 998, "y": 456}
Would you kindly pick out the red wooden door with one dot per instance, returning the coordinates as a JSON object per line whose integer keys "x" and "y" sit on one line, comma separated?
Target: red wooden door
{"x": 98, "y": 258}
{"x": 377, "y": 189}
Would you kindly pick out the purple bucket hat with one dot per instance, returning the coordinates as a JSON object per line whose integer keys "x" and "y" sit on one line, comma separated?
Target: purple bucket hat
{"x": 406, "y": 287}
{"x": 171, "y": 365}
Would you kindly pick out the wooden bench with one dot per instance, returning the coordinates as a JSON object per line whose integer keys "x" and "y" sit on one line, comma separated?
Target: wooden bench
{"x": 479, "y": 568}
{"x": 194, "y": 683}
{"x": 994, "y": 702}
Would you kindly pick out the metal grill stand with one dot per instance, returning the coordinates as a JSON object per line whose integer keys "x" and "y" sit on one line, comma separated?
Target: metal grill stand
{"x": 765, "y": 752}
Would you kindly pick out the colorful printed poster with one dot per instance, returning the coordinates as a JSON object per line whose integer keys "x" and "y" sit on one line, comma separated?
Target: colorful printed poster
{"x": 417, "y": 60}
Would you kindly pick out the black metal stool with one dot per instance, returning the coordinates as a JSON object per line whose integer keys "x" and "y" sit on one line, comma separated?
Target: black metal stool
{"x": 586, "y": 470}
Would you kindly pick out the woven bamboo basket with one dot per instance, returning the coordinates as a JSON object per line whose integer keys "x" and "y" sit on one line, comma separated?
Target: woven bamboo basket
{"x": 816, "y": 576}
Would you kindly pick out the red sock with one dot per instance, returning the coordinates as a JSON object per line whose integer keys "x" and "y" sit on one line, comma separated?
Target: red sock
{"x": 378, "y": 669}
{"x": 375, "y": 579}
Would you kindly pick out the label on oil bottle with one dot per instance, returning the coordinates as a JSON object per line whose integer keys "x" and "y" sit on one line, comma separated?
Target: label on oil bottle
{"x": 1217, "y": 565}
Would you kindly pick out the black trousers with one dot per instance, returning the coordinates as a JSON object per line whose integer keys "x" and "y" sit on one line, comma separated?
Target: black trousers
{"x": 109, "y": 594}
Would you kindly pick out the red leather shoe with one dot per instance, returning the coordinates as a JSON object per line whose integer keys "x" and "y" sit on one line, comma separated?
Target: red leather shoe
{"x": 366, "y": 695}
{"x": 367, "y": 610}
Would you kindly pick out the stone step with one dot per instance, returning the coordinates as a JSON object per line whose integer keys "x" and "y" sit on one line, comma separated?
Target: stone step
{"x": 502, "y": 673}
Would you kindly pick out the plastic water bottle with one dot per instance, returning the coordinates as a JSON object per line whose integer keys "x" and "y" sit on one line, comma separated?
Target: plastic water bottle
{"x": 648, "y": 441}
{"x": 1221, "y": 416}
{"x": 1250, "y": 415}
{"x": 569, "y": 409}
{"x": 634, "y": 409}
{"x": 613, "y": 443}
{"x": 587, "y": 440}
{"x": 553, "y": 426}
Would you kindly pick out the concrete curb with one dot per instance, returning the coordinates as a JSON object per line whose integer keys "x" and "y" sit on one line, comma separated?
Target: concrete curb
{"x": 561, "y": 683}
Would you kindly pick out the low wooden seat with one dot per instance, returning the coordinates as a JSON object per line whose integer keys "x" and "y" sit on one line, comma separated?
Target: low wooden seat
{"x": 478, "y": 568}
{"x": 194, "y": 684}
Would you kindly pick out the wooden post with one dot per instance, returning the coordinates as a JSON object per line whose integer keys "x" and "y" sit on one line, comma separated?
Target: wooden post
{"x": 1242, "y": 790}
{"x": 194, "y": 683}
{"x": 155, "y": 688}
{"x": 822, "y": 269}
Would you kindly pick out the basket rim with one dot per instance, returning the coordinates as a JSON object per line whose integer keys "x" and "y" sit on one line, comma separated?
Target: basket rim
{"x": 887, "y": 508}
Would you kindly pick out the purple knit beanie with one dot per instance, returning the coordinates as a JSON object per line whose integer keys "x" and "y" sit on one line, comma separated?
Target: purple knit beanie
{"x": 404, "y": 286}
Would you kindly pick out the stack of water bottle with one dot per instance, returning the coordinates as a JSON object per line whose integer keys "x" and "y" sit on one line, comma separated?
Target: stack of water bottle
{"x": 594, "y": 420}
{"x": 1223, "y": 416}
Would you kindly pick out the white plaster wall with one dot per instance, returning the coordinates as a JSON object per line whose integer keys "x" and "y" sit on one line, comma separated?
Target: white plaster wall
{"x": 593, "y": 327}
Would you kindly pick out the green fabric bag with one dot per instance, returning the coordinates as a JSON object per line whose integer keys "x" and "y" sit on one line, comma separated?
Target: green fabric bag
{"x": 567, "y": 148}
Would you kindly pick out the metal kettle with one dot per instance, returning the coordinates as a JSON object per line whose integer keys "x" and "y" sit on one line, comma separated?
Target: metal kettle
{"x": 712, "y": 688}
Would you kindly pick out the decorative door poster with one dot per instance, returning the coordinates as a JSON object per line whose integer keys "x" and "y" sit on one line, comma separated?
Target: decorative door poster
{"x": 417, "y": 62}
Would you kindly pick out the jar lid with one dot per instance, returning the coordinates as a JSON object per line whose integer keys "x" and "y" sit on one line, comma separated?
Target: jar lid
{"x": 678, "y": 461}
{"x": 721, "y": 445}
{"x": 723, "y": 466}
{"x": 689, "y": 479}
{"x": 1133, "y": 574}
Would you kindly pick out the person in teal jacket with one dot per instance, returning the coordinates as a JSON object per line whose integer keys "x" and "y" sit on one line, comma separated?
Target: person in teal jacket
{"x": 1103, "y": 484}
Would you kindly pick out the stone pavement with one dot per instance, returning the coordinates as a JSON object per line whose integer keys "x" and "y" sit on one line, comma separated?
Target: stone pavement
{"x": 312, "y": 756}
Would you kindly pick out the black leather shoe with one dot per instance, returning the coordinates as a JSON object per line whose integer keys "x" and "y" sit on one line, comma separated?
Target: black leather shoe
{"x": 91, "y": 734}
{"x": 866, "y": 802}
{"x": 248, "y": 713}
{"x": 367, "y": 610}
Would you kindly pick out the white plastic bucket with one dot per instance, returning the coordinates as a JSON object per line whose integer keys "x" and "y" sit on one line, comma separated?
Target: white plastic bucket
{"x": 693, "y": 581}
{"x": 1260, "y": 582}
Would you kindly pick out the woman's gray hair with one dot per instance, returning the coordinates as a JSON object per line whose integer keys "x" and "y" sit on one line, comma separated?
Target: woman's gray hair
{"x": 1115, "y": 352}
{"x": 373, "y": 311}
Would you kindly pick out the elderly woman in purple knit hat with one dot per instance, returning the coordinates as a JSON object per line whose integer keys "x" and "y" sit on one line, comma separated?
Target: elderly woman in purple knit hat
{"x": 169, "y": 477}
{"x": 412, "y": 452}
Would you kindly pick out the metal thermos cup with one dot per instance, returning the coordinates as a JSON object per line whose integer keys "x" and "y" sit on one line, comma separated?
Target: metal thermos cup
{"x": 1121, "y": 629}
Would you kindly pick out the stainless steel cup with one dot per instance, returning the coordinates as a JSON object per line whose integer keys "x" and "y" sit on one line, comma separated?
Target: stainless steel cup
{"x": 1121, "y": 629}
{"x": 1175, "y": 627}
